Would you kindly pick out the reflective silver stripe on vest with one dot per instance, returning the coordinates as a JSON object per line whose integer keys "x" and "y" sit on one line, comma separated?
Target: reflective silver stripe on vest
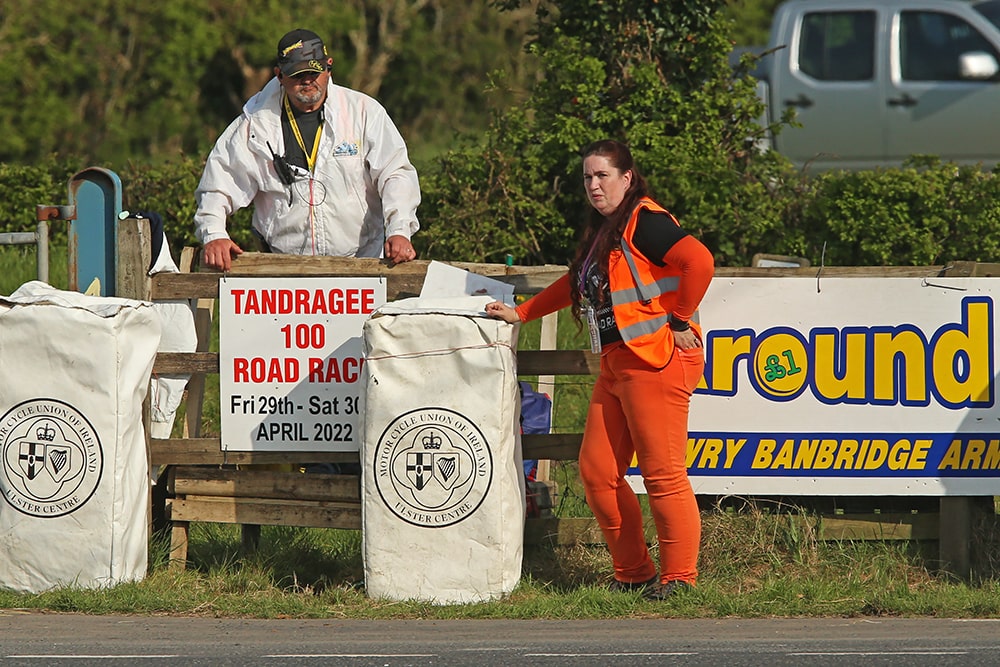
{"x": 633, "y": 294}
{"x": 633, "y": 331}
{"x": 644, "y": 295}
{"x": 642, "y": 292}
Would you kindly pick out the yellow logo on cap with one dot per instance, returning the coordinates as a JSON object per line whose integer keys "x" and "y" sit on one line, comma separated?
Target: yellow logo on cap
{"x": 296, "y": 45}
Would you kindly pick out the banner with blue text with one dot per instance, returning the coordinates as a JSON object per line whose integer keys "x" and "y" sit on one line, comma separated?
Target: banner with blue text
{"x": 847, "y": 386}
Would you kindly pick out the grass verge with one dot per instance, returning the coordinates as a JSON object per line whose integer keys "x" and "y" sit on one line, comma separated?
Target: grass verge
{"x": 753, "y": 564}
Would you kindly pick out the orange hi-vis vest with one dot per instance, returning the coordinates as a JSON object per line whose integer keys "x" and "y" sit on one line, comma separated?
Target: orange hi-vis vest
{"x": 643, "y": 295}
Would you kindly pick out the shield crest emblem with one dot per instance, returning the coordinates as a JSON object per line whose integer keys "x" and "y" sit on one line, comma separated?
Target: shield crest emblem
{"x": 31, "y": 458}
{"x": 419, "y": 469}
{"x": 447, "y": 468}
{"x": 58, "y": 459}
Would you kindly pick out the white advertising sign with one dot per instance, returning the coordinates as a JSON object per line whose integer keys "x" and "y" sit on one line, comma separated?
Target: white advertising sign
{"x": 290, "y": 361}
{"x": 847, "y": 386}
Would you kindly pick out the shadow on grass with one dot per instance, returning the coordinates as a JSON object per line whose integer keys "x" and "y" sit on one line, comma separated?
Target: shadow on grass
{"x": 564, "y": 569}
{"x": 293, "y": 559}
{"x": 313, "y": 559}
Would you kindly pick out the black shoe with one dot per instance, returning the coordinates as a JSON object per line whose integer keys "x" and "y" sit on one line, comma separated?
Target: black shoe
{"x": 643, "y": 587}
{"x": 663, "y": 591}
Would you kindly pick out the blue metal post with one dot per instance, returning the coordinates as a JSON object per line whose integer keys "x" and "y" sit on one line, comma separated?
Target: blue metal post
{"x": 96, "y": 193}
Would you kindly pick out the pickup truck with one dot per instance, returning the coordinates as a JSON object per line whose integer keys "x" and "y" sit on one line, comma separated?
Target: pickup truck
{"x": 873, "y": 82}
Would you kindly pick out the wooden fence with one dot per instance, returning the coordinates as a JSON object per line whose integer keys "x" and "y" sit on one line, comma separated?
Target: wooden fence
{"x": 206, "y": 484}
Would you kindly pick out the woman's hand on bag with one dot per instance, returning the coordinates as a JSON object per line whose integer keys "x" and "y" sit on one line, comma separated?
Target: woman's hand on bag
{"x": 498, "y": 310}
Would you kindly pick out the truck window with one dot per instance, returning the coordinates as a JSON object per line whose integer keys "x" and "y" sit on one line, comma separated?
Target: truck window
{"x": 990, "y": 9}
{"x": 931, "y": 43}
{"x": 838, "y": 46}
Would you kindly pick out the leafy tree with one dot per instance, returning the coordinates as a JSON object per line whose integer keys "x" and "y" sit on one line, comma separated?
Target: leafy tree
{"x": 655, "y": 75}
{"x": 437, "y": 86}
{"x": 752, "y": 20}
{"x": 110, "y": 80}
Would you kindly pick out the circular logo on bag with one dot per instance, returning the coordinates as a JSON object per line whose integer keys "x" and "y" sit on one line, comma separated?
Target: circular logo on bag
{"x": 52, "y": 458}
{"x": 433, "y": 467}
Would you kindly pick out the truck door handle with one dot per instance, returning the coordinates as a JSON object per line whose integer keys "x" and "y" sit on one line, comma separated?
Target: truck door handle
{"x": 800, "y": 101}
{"x": 904, "y": 101}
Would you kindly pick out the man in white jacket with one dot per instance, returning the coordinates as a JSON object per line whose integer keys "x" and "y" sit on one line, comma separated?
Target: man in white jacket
{"x": 324, "y": 166}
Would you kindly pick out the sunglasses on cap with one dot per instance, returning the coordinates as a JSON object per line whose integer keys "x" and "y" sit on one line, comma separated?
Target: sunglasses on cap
{"x": 307, "y": 74}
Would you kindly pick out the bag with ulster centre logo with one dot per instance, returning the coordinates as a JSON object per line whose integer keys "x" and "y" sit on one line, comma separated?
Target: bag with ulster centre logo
{"x": 74, "y": 370}
{"x": 443, "y": 498}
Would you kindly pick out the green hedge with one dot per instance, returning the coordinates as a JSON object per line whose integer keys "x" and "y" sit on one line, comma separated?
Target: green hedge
{"x": 167, "y": 189}
{"x": 23, "y": 188}
{"x": 924, "y": 213}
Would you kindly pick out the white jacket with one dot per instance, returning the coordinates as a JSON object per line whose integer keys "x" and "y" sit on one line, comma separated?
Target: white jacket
{"x": 365, "y": 188}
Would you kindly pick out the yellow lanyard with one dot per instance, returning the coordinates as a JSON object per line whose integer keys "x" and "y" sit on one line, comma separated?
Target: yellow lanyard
{"x": 310, "y": 157}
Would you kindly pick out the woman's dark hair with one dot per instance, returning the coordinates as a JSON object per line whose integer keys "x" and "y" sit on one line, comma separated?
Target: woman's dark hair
{"x": 605, "y": 233}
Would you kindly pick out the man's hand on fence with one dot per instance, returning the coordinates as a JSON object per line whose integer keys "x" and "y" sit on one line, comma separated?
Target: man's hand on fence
{"x": 219, "y": 254}
{"x": 398, "y": 249}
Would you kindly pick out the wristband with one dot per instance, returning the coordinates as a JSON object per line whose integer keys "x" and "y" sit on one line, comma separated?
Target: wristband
{"x": 677, "y": 324}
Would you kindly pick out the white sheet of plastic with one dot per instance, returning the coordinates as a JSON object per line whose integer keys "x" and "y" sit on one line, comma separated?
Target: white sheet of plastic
{"x": 178, "y": 334}
{"x": 442, "y": 485}
{"x": 74, "y": 370}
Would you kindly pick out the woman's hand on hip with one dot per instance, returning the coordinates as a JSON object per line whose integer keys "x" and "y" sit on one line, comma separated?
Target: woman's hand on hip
{"x": 686, "y": 340}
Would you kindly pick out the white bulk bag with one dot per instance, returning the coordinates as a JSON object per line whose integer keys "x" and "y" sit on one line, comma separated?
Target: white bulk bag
{"x": 442, "y": 485}
{"x": 74, "y": 370}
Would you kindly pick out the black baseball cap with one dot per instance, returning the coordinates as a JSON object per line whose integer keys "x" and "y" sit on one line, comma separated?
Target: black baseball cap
{"x": 301, "y": 51}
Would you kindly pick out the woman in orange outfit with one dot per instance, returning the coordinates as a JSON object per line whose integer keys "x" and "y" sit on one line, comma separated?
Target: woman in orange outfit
{"x": 637, "y": 279}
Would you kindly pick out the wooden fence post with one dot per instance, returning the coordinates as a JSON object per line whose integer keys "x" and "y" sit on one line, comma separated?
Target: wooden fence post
{"x": 132, "y": 259}
{"x": 547, "y": 383}
{"x": 957, "y": 512}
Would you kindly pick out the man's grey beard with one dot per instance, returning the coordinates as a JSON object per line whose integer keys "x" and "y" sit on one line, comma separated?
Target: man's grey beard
{"x": 309, "y": 99}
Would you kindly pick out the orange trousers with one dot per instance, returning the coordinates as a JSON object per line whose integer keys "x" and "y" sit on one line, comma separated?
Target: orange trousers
{"x": 638, "y": 409}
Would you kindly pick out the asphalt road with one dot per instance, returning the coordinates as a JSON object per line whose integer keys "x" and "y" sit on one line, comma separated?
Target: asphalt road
{"x": 28, "y": 638}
